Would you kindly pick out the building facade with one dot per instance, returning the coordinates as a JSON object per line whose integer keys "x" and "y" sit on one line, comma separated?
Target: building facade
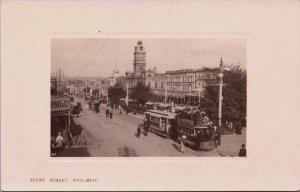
{"x": 180, "y": 86}
{"x": 157, "y": 83}
{"x": 183, "y": 86}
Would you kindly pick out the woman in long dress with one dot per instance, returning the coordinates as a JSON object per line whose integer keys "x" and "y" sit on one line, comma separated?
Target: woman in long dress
{"x": 182, "y": 149}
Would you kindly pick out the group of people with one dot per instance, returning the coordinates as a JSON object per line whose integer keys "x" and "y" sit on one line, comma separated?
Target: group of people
{"x": 139, "y": 130}
{"x": 235, "y": 127}
{"x": 94, "y": 105}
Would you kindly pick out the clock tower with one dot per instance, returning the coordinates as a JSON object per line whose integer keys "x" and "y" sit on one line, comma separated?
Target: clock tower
{"x": 139, "y": 61}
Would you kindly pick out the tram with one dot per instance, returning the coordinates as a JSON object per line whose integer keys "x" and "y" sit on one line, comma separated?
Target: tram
{"x": 198, "y": 132}
{"x": 160, "y": 122}
{"x": 192, "y": 126}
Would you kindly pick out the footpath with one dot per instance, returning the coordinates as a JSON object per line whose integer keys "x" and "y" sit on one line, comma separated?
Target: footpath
{"x": 231, "y": 144}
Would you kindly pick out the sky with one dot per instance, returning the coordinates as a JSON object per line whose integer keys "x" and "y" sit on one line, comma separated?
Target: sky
{"x": 99, "y": 57}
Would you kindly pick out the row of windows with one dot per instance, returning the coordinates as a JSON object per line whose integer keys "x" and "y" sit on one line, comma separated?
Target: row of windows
{"x": 181, "y": 87}
{"x": 191, "y": 78}
{"x": 185, "y": 130}
{"x": 156, "y": 84}
{"x": 206, "y": 76}
{"x": 180, "y": 78}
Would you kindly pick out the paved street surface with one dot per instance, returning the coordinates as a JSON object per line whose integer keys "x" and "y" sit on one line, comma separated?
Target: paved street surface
{"x": 117, "y": 137}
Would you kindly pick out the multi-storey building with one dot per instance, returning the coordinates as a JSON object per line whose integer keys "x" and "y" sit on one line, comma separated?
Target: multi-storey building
{"x": 157, "y": 83}
{"x": 183, "y": 86}
{"x": 179, "y": 86}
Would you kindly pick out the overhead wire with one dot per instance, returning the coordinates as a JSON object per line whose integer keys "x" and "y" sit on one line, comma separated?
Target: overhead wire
{"x": 91, "y": 59}
{"x": 79, "y": 52}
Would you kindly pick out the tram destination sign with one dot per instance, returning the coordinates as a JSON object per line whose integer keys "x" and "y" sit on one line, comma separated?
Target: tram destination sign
{"x": 60, "y": 104}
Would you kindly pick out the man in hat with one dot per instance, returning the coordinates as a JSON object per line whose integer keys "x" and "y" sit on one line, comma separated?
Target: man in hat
{"x": 243, "y": 152}
{"x": 110, "y": 114}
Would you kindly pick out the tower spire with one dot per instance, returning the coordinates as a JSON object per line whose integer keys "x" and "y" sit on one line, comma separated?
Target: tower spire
{"x": 221, "y": 62}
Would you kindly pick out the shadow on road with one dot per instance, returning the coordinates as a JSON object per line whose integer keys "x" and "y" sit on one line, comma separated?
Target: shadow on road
{"x": 175, "y": 146}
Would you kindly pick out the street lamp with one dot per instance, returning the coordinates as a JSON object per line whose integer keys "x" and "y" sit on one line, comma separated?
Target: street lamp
{"x": 220, "y": 98}
{"x": 222, "y": 68}
{"x": 126, "y": 100}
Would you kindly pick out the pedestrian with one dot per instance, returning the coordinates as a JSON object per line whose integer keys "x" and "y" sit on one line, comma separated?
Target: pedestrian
{"x": 107, "y": 112}
{"x": 238, "y": 127}
{"x": 230, "y": 126}
{"x": 146, "y": 128}
{"x": 120, "y": 108}
{"x": 182, "y": 148}
{"x": 53, "y": 148}
{"x": 215, "y": 136}
{"x": 138, "y": 131}
{"x": 59, "y": 140}
{"x": 110, "y": 114}
{"x": 243, "y": 152}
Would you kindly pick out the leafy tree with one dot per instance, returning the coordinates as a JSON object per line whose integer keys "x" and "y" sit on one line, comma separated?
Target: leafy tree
{"x": 115, "y": 93}
{"x": 141, "y": 93}
{"x": 95, "y": 92}
{"x": 234, "y": 95}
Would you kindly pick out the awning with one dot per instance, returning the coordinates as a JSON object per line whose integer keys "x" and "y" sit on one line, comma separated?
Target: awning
{"x": 149, "y": 103}
{"x": 60, "y": 113}
{"x": 179, "y": 108}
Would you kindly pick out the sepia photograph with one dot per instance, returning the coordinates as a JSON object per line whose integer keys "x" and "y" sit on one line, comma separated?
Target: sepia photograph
{"x": 160, "y": 97}
{"x": 150, "y": 95}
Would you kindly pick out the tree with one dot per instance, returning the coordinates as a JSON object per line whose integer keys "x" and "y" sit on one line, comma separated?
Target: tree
{"x": 115, "y": 93}
{"x": 95, "y": 92}
{"x": 84, "y": 90}
{"x": 141, "y": 93}
{"x": 234, "y": 95}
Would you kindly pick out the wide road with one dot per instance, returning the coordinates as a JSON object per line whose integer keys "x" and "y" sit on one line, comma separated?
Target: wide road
{"x": 117, "y": 137}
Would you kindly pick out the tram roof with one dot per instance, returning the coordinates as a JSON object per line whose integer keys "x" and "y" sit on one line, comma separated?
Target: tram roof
{"x": 162, "y": 113}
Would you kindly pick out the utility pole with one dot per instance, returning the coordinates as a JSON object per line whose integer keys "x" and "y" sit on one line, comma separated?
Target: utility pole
{"x": 85, "y": 89}
{"x": 127, "y": 98}
{"x": 220, "y": 101}
{"x": 99, "y": 90}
